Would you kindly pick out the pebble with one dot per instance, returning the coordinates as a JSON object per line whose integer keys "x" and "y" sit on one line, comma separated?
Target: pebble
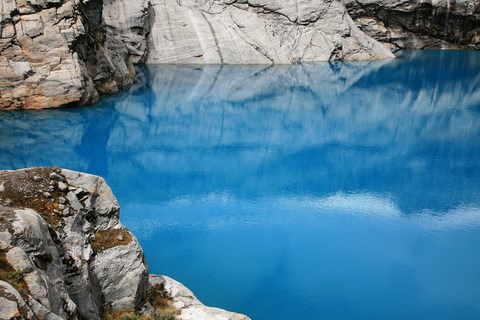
{"x": 37, "y": 178}
{"x": 65, "y": 212}
{"x": 47, "y": 194}
{"x": 3, "y": 245}
{"x": 61, "y": 206}
{"x": 62, "y": 186}
{"x": 74, "y": 203}
{"x": 55, "y": 176}
{"x": 51, "y": 188}
{"x": 61, "y": 200}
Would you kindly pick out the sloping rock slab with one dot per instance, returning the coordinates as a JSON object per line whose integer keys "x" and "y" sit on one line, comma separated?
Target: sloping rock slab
{"x": 64, "y": 253}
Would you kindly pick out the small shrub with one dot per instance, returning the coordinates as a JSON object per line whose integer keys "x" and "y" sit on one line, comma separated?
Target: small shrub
{"x": 106, "y": 239}
{"x": 14, "y": 275}
{"x": 164, "y": 315}
{"x": 130, "y": 314}
{"x": 15, "y": 278}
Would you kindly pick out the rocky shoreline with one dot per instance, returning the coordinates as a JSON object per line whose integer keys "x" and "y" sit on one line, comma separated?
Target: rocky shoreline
{"x": 65, "y": 255}
{"x": 56, "y": 53}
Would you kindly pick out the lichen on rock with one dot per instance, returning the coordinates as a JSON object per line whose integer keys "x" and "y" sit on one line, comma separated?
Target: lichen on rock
{"x": 65, "y": 255}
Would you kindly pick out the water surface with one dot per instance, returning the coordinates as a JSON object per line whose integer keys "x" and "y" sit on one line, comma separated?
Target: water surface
{"x": 326, "y": 191}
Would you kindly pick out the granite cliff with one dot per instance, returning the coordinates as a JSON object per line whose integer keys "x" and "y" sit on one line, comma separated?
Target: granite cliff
{"x": 419, "y": 24}
{"x": 65, "y": 255}
{"x": 58, "y": 52}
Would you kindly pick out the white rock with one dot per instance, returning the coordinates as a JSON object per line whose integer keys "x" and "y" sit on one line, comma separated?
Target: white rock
{"x": 292, "y": 31}
{"x": 122, "y": 275}
{"x": 19, "y": 260}
{"x": 190, "y": 307}
{"x": 11, "y": 302}
{"x": 73, "y": 201}
{"x": 80, "y": 283}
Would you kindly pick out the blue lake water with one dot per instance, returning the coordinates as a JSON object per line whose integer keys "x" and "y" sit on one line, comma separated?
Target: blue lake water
{"x": 326, "y": 191}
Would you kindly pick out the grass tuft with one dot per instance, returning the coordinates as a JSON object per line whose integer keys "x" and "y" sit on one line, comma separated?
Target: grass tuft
{"x": 106, "y": 239}
{"x": 11, "y": 276}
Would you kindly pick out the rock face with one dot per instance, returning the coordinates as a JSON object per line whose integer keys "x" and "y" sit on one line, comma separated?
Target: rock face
{"x": 419, "y": 24}
{"x": 65, "y": 255}
{"x": 60, "y": 52}
{"x": 256, "y": 32}
{"x": 57, "y": 52}
{"x": 188, "y": 306}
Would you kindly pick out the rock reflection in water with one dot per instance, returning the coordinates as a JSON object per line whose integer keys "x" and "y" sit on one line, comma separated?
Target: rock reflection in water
{"x": 396, "y": 127}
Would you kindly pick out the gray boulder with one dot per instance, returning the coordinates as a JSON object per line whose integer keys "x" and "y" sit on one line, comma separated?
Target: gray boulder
{"x": 78, "y": 262}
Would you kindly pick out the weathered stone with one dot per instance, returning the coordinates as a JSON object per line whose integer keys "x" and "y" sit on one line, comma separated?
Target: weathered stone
{"x": 286, "y": 32}
{"x": 190, "y": 307}
{"x": 418, "y": 24}
{"x": 12, "y": 305}
{"x": 46, "y": 61}
{"x": 73, "y": 201}
{"x": 19, "y": 260}
{"x": 70, "y": 271}
{"x": 55, "y": 176}
{"x": 122, "y": 287}
{"x": 62, "y": 186}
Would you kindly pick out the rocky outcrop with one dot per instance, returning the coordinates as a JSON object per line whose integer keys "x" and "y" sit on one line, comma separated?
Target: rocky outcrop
{"x": 188, "y": 307}
{"x": 65, "y": 255}
{"x": 60, "y": 52}
{"x": 256, "y": 32}
{"x": 57, "y": 52}
{"x": 419, "y": 24}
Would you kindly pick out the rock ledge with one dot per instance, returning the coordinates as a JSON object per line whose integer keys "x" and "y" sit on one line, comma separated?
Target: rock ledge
{"x": 65, "y": 255}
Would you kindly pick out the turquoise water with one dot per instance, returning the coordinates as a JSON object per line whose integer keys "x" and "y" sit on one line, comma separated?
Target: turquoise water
{"x": 328, "y": 191}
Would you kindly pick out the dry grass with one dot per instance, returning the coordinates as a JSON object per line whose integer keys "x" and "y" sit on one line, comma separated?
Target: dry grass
{"x": 130, "y": 314}
{"x": 9, "y": 275}
{"x": 163, "y": 309}
{"x": 23, "y": 191}
{"x": 106, "y": 239}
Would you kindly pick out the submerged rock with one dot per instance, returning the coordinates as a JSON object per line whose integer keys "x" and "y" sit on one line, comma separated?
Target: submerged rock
{"x": 79, "y": 265}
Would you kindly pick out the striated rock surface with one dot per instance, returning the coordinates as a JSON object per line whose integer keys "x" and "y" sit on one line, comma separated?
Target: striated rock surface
{"x": 65, "y": 255}
{"x": 58, "y": 52}
{"x": 256, "y": 32}
{"x": 419, "y": 24}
